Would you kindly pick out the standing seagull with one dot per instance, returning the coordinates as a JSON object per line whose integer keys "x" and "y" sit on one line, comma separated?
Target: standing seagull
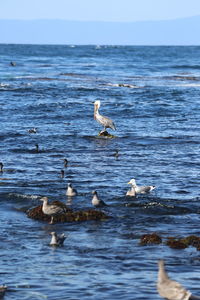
{"x": 57, "y": 240}
{"x": 96, "y": 201}
{"x": 104, "y": 121}
{"x": 51, "y": 209}
{"x": 171, "y": 289}
{"x": 141, "y": 189}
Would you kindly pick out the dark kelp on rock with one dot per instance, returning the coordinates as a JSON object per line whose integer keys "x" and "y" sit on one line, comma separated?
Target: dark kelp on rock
{"x": 152, "y": 238}
{"x": 36, "y": 213}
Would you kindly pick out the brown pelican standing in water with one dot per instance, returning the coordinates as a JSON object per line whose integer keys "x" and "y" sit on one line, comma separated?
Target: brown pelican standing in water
{"x": 104, "y": 121}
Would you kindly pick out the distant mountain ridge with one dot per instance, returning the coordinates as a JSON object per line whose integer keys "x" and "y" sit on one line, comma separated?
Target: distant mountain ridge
{"x": 170, "y": 32}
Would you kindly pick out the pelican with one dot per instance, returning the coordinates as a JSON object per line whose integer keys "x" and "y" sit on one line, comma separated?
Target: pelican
{"x": 104, "y": 121}
{"x": 141, "y": 189}
{"x": 57, "y": 240}
{"x": 51, "y": 209}
{"x": 171, "y": 289}
{"x": 96, "y": 201}
{"x": 71, "y": 191}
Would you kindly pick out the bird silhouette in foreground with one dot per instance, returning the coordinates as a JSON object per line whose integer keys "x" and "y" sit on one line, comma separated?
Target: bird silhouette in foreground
{"x": 104, "y": 121}
{"x": 171, "y": 289}
{"x": 57, "y": 240}
{"x": 141, "y": 189}
{"x": 71, "y": 191}
{"x": 3, "y": 289}
{"x": 96, "y": 201}
{"x": 51, "y": 209}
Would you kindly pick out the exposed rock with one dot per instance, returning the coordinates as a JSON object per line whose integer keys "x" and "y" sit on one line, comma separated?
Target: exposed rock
{"x": 36, "y": 213}
{"x": 152, "y": 238}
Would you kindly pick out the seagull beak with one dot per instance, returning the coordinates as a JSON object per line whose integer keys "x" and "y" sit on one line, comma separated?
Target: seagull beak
{"x": 129, "y": 182}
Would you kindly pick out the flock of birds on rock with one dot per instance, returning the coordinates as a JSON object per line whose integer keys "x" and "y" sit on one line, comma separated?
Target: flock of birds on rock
{"x": 167, "y": 288}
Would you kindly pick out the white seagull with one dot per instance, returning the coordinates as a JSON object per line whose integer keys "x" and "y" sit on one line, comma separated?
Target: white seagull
{"x": 57, "y": 240}
{"x": 104, "y": 121}
{"x": 141, "y": 189}
{"x": 171, "y": 289}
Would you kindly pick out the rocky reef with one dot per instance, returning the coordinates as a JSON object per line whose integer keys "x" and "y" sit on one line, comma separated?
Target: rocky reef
{"x": 172, "y": 242}
{"x": 36, "y": 213}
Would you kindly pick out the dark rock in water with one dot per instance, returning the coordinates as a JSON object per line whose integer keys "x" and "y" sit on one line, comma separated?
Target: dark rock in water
{"x": 152, "y": 238}
{"x": 176, "y": 243}
{"x": 106, "y": 134}
{"x": 36, "y": 213}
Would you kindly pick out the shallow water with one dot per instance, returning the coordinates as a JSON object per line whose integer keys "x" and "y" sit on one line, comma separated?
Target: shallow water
{"x": 152, "y": 94}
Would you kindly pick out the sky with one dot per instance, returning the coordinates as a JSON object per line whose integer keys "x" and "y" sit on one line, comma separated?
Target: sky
{"x": 99, "y": 10}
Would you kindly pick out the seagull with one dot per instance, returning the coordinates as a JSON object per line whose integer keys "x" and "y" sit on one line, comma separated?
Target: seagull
{"x": 171, "y": 289}
{"x": 141, "y": 189}
{"x": 3, "y": 289}
{"x": 104, "y": 121}
{"x": 57, "y": 240}
{"x": 96, "y": 201}
{"x": 71, "y": 191}
{"x": 131, "y": 192}
{"x": 51, "y": 209}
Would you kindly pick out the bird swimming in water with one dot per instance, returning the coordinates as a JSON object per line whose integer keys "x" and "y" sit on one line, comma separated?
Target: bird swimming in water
{"x": 171, "y": 289}
{"x": 96, "y": 201}
{"x": 131, "y": 192}
{"x": 71, "y": 191}
{"x": 104, "y": 121}
{"x": 32, "y": 130}
{"x": 51, "y": 209}
{"x": 62, "y": 173}
{"x": 141, "y": 189}
{"x": 1, "y": 167}
{"x": 57, "y": 240}
{"x": 65, "y": 162}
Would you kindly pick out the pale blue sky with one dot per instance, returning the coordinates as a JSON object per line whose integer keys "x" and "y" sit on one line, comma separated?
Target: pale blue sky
{"x": 99, "y": 10}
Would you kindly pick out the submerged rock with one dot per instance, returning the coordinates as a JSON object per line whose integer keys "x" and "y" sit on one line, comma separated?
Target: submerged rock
{"x": 36, "y": 213}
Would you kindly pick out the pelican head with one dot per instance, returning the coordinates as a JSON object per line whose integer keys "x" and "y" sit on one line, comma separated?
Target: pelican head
{"x": 132, "y": 182}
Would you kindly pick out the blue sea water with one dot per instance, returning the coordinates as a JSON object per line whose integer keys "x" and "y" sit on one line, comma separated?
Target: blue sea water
{"x": 152, "y": 94}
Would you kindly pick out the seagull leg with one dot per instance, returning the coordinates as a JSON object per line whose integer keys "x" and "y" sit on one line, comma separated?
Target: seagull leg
{"x": 51, "y": 222}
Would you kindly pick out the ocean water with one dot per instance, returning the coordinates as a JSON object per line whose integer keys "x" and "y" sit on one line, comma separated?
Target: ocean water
{"x": 152, "y": 94}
